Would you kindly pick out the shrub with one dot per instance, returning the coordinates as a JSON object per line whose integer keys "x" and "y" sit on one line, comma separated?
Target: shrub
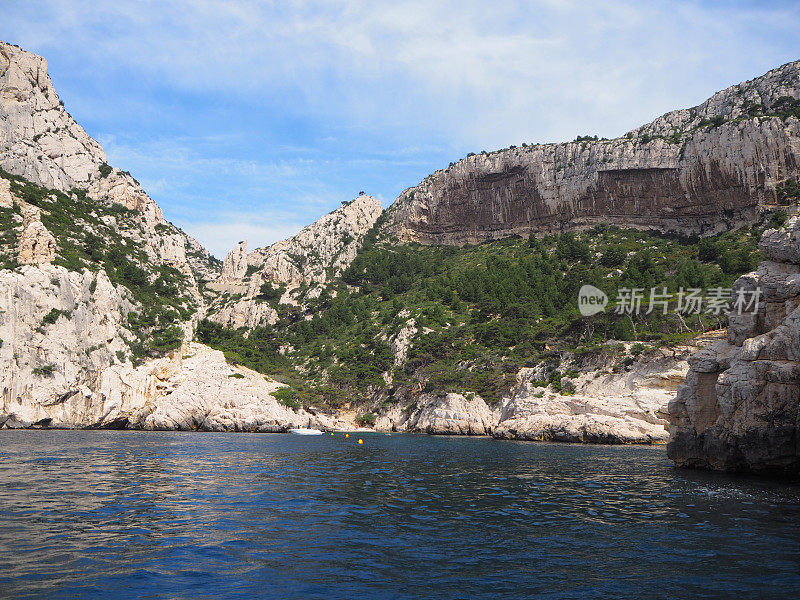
{"x": 614, "y": 256}
{"x": 788, "y": 192}
{"x": 777, "y": 219}
{"x": 270, "y": 293}
{"x": 52, "y": 316}
{"x": 45, "y": 370}
{"x": 167, "y": 339}
{"x": 366, "y": 419}
{"x": 288, "y": 397}
{"x": 105, "y": 170}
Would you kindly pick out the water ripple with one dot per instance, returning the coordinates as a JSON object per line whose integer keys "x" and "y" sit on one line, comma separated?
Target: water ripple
{"x": 176, "y": 515}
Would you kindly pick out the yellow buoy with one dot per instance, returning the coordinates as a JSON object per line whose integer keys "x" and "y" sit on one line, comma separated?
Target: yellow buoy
{"x": 360, "y": 441}
{"x": 346, "y": 435}
{"x": 331, "y": 433}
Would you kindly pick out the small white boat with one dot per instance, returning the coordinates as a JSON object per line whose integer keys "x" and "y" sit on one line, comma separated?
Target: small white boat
{"x": 305, "y": 431}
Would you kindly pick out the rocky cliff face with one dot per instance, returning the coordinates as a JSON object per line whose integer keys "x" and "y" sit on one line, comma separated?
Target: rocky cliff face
{"x": 739, "y": 409}
{"x": 700, "y": 170}
{"x": 41, "y": 142}
{"x": 317, "y": 254}
{"x": 99, "y": 294}
{"x": 321, "y": 250}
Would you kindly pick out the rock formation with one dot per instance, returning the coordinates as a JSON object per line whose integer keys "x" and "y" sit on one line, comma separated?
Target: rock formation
{"x": 700, "y": 170}
{"x": 739, "y": 409}
{"x": 234, "y": 267}
{"x": 64, "y": 362}
{"x": 74, "y": 315}
{"x": 319, "y": 252}
{"x": 6, "y": 200}
{"x": 40, "y": 141}
{"x": 451, "y": 414}
{"x": 608, "y": 406}
{"x": 36, "y": 245}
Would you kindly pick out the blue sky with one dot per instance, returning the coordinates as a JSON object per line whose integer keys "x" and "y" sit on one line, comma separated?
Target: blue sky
{"x": 252, "y": 119}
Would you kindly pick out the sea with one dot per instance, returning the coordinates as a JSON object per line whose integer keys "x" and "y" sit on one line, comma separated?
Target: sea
{"x": 134, "y": 514}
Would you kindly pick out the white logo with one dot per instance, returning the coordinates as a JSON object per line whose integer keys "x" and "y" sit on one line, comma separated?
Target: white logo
{"x": 591, "y": 300}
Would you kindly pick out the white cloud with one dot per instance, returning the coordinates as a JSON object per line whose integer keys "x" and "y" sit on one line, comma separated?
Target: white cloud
{"x": 483, "y": 75}
{"x": 385, "y": 86}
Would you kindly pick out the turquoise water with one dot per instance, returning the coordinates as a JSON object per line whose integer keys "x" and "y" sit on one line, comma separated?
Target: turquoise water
{"x": 200, "y": 515}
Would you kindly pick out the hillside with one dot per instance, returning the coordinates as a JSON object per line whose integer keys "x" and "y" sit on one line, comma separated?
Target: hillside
{"x": 113, "y": 317}
{"x": 408, "y": 325}
{"x": 701, "y": 170}
{"x": 99, "y": 294}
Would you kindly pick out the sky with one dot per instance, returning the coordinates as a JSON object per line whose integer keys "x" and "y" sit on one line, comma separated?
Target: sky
{"x": 251, "y": 119}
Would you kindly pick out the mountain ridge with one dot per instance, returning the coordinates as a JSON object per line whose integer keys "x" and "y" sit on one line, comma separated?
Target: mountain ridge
{"x": 700, "y": 170}
{"x": 111, "y": 317}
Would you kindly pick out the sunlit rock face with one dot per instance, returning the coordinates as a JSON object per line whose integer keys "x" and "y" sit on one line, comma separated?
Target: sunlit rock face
{"x": 318, "y": 253}
{"x": 739, "y": 409}
{"x": 321, "y": 250}
{"x": 700, "y": 170}
{"x": 40, "y": 141}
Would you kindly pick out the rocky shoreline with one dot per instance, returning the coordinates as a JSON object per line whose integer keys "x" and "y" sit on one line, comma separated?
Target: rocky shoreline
{"x": 197, "y": 390}
{"x": 739, "y": 409}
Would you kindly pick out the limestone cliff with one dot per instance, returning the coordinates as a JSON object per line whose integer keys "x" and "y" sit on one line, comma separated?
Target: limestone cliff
{"x": 321, "y": 250}
{"x": 739, "y": 409}
{"x": 317, "y": 254}
{"x": 699, "y": 170}
{"x": 41, "y": 142}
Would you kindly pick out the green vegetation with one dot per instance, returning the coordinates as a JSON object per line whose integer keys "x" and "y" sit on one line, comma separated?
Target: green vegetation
{"x": 287, "y": 396}
{"x": 786, "y": 107}
{"x": 789, "y": 192}
{"x": 366, "y": 419}
{"x": 45, "y": 370}
{"x": 269, "y": 293}
{"x": 105, "y": 170}
{"x": 52, "y": 316}
{"x": 481, "y": 312}
{"x": 97, "y": 236}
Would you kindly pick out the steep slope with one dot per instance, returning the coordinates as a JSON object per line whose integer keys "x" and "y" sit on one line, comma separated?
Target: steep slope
{"x": 739, "y": 409}
{"x": 253, "y": 283}
{"x": 99, "y": 295}
{"x": 42, "y": 143}
{"x": 700, "y": 170}
{"x": 488, "y": 339}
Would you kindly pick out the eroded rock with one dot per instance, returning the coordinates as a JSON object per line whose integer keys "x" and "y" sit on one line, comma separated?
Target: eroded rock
{"x": 739, "y": 409}
{"x": 701, "y": 170}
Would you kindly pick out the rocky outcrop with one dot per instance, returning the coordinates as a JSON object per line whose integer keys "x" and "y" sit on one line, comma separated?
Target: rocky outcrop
{"x": 739, "y": 409}
{"x": 206, "y": 393}
{"x": 60, "y": 330}
{"x": 699, "y": 170}
{"x": 623, "y": 407}
{"x": 36, "y": 244}
{"x": 40, "y": 141}
{"x": 65, "y": 361}
{"x": 608, "y": 403}
{"x": 247, "y": 312}
{"x": 402, "y": 341}
{"x": 315, "y": 255}
{"x": 6, "y": 200}
{"x": 321, "y": 250}
{"x": 234, "y": 267}
{"x": 452, "y": 414}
